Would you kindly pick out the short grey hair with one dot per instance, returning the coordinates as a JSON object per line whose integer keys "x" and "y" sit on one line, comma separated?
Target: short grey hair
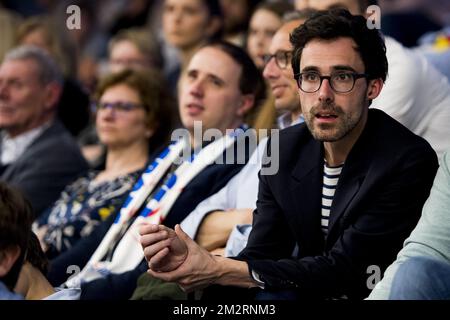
{"x": 48, "y": 70}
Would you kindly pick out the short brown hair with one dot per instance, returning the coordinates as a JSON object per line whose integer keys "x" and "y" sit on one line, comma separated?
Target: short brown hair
{"x": 155, "y": 98}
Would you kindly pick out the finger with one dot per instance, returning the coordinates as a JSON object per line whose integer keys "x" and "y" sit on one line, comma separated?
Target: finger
{"x": 181, "y": 234}
{"x": 150, "y": 239}
{"x": 152, "y": 250}
{"x": 157, "y": 260}
{"x": 159, "y": 275}
{"x": 148, "y": 229}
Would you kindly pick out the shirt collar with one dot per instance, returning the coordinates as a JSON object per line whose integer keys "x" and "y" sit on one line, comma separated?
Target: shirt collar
{"x": 285, "y": 120}
{"x": 13, "y": 148}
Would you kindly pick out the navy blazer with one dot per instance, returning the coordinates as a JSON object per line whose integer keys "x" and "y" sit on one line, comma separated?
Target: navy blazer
{"x": 384, "y": 183}
{"x": 47, "y": 166}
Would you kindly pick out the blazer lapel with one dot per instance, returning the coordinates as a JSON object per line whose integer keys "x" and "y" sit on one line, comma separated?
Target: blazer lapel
{"x": 352, "y": 177}
{"x": 306, "y": 186}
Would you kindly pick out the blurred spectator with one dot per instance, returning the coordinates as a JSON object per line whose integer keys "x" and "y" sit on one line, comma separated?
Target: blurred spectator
{"x": 187, "y": 25}
{"x": 40, "y": 31}
{"x": 237, "y": 15}
{"x": 133, "y": 120}
{"x": 301, "y": 4}
{"x": 136, "y": 49}
{"x": 38, "y": 155}
{"x": 264, "y": 22}
{"x": 435, "y": 46}
{"x": 73, "y": 107}
{"x": 90, "y": 39}
{"x": 15, "y": 225}
{"x": 134, "y": 14}
{"x": 32, "y": 282}
{"x": 9, "y": 21}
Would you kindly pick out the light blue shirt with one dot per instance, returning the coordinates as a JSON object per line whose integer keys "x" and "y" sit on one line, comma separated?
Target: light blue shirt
{"x": 6, "y": 294}
{"x": 431, "y": 236}
{"x": 65, "y": 294}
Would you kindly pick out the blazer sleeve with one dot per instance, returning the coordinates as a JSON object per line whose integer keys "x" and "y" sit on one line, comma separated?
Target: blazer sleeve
{"x": 371, "y": 237}
{"x": 43, "y": 178}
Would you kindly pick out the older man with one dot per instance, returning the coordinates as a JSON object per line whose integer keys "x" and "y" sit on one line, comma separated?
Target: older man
{"x": 38, "y": 155}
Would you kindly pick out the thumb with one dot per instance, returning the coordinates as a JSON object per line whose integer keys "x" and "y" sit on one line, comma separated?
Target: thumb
{"x": 183, "y": 235}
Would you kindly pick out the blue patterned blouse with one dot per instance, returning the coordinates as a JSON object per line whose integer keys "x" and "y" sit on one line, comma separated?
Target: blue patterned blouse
{"x": 82, "y": 206}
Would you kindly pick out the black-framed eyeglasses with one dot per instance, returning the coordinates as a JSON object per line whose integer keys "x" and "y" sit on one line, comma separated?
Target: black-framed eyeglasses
{"x": 120, "y": 107}
{"x": 340, "y": 81}
{"x": 282, "y": 58}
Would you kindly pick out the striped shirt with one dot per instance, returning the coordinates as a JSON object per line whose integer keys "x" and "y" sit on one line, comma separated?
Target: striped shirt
{"x": 330, "y": 181}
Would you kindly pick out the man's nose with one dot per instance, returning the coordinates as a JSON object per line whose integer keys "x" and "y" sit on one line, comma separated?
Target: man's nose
{"x": 196, "y": 88}
{"x": 3, "y": 91}
{"x": 326, "y": 93}
{"x": 271, "y": 69}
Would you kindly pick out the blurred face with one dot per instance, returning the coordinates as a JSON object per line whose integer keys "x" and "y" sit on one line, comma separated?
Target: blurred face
{"x": 301, "y": 4}
{"x": 24, "y": 101}
{"x": 124, "y": 54}
{"x": 350, "y": 5}
{"x": 331, "y": 116}
{"x": 263, "y": 26}
{"x": 121, "y": 121}
{"x": 36, "y": 38}
{"x": 210, "y": 91}
{"x": 185, "y": 23}
{"x": 235, "y": 13}
{"x": 282, "y": 82}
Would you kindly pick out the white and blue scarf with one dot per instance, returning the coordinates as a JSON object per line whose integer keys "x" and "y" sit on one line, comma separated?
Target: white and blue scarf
{"x": 128, "y": 253}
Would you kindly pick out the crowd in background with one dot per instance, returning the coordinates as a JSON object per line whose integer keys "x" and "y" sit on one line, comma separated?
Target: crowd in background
{"x": 98, "y": 104}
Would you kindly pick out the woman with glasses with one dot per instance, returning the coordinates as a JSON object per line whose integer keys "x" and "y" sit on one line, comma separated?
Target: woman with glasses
{"x": 133, "y": 120}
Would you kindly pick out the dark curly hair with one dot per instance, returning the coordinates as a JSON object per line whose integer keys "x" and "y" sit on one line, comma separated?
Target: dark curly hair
{"x": 337, "y": 23}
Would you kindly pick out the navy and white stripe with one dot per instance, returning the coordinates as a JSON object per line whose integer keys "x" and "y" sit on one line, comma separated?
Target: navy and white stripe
{"x": 330, "y": 181}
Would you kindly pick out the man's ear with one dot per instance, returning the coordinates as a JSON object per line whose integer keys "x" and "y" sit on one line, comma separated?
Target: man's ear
{"x": 52, "y": 94}
{"x": 8, "y": 257}
{"x": 214, "y": 25}
{"x": 374, "y": 88}
{"x": 247, "y": 103}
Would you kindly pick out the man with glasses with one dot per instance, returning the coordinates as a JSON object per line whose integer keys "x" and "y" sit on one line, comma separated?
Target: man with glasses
{"x": 351, "y": 184}
{"x": 278, "y": 72}
{"x": 415, "y": 94}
